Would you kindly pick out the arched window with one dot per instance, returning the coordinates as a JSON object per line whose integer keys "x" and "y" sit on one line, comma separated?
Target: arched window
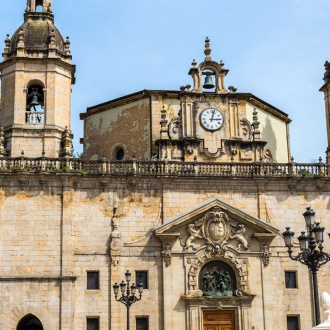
{"x": 35, "y": 105}
{"x": 30, "y": 322}
{"x": 39, "y": 6}
{"x": 217, "y": 279}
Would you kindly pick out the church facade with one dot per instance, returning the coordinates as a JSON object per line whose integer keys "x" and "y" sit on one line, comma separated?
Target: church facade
{"x": 189, "y": 190}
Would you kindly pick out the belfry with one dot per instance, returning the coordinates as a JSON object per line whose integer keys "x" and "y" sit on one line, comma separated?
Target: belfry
{"x": 36, "y": 87}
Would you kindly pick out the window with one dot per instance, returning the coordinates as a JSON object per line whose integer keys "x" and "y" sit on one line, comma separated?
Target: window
{"x": 93, "y": 323}
{"x": 142, "y": 277}
{"x": 293, "y": 322}
{"x": 119, "y": 153}
{"x": 93, "y": 280}
{"x": 291, "y": 280}
{"x": 142, "y": 323}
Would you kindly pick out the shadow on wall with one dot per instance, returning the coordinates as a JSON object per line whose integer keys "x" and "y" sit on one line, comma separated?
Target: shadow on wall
{"x": 268, "y": 134}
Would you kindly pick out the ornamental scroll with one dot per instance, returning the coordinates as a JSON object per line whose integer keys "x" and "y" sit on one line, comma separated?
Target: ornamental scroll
{"x": 216, "y": 228}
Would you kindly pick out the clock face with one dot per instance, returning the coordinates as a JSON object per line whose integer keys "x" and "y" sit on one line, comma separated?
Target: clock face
{"x": 211, "y": 119}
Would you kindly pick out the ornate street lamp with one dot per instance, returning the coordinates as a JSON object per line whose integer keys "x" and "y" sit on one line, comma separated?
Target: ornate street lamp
{"x": 312, "y": 254}
{"x": 128, "y": 297}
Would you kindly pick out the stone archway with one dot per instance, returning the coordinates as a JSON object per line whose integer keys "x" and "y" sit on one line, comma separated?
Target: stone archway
{"x": 30, "y": 322}
{"x": 13, "y": 319}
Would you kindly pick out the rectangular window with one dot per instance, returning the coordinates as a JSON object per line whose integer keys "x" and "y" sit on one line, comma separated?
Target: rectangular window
{"x": 293, "y": 322}
{"x": 93, "y": 281}
{"x": 142, "y": 277}
{"x": 142, "y": 323}
{"x": 291, "y": 280}
{"x": 93, "y": 323}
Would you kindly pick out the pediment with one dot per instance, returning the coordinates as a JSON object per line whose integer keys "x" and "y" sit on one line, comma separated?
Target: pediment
{"x": 216, "y": 224}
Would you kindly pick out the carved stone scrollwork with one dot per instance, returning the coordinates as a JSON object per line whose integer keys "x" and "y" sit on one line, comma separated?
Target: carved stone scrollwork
{"x": 168, "y": 241}
{"x": 265, "y": 254}
{"x": 216, "y": 228}
{"x": 115, "y": 244}
{"x": 265, "y": 240}
{"x": 166, "y": 253}
{"x": 204, "y": 256}
{"x": 246, "y": 129}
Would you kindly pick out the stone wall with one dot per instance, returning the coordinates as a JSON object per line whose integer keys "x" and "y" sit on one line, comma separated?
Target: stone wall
{"x": 56, "y": 227}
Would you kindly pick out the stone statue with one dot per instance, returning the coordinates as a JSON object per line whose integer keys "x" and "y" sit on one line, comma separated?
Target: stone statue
{"x": 325, "y": 305}
{"x": 193, "y": 234}
{"x": 238, "y": 235}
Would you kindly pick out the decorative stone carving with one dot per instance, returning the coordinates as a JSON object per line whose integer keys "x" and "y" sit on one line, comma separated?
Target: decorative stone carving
{"x": 175, "y": 128}
{"x": 239, "y": 236}
{"x": 115, "y": 244}
{"x": 325, "y": 305}
{"x": 204, "y": 256}
{"x": 216, "y": 228}
{"x": 265, "y": 254}
{"x": 247, "y": 129}
{"x": 168, "y": 241}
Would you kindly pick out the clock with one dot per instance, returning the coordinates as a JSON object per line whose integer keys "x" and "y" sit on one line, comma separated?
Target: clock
{"x": 211, "y": 119}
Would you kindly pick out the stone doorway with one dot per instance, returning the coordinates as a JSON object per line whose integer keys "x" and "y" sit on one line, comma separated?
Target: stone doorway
{"x": 30, "y": 322}
{"x": 219, "y": 320}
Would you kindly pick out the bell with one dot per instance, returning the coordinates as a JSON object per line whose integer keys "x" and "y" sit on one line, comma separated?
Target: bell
{"x": 34, "y": 100}
{"x": 208, "y": 84}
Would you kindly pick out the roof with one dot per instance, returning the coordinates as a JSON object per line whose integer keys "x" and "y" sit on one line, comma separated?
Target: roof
{"x": 147, "y": 92}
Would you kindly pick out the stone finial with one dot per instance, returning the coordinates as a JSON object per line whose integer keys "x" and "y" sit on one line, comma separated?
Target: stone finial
{"x": 52, "y": 39}
{"x": 66, "y": 144}
{"x": 28, "y": 8}
{"x": 232, "y": 89}
{"x": 67, "y": 46}
{"x": 20, "y": 42}
{"x": 163, "y": 124}
{"x": 50, "y": 10}
{"x": 194, "y": 63}
{"x": 255, "y": 125}
{"x": 207, "y": 50}
{"x": 326, "y": 77}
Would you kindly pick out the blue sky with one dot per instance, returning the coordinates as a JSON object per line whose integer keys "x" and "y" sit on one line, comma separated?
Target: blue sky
{"x": 274, "y": 49}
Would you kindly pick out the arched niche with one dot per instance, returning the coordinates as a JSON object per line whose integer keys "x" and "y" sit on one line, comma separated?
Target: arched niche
{"x": 217, "y": 279}
{"x": 29, "y": 322}
{"x": 35, "y": 102}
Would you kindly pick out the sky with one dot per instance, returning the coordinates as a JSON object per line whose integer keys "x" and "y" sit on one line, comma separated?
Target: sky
{"x": 274, "y": 49}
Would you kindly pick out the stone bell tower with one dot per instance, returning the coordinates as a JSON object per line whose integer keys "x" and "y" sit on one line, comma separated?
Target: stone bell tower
{"x": 36, "y": 79}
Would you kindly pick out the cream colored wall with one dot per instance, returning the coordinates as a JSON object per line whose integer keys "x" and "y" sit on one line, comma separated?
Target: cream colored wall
{"x": 273, "y": 130}
{"x": 172, "y": 107}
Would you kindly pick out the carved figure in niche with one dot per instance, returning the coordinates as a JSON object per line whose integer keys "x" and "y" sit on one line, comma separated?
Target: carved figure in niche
{"x": 238, "y": 235}
{"x": 217, "y": 280}
{"x": 193, "y": 234}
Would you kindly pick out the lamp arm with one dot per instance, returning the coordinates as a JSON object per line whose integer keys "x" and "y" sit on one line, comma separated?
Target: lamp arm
{"x": 313, "y": 260}
{"x": 128, "y": 301}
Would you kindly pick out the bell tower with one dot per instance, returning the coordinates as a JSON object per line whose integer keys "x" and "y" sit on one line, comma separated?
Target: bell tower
{"x": 36, "y": 79}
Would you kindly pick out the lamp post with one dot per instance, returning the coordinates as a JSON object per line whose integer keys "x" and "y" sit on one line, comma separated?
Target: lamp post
{"x": 312, "y": 254}
{"x": 128, "y": 297}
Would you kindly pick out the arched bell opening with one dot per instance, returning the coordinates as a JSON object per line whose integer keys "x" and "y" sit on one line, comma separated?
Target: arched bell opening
{"x": 39, "y": 6}
{"x": 35, "y": 99}
{"x": 217, "y": 279}
{"x": 209, "y": 80}
{"x": 29, "y": 322}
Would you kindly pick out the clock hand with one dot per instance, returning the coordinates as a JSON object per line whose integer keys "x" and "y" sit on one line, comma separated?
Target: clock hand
{"x": 212, "y": 114}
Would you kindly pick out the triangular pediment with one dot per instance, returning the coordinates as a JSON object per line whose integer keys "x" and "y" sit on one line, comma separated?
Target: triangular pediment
{"x": 233, "y": 212}
{"x": 216, "y": 223}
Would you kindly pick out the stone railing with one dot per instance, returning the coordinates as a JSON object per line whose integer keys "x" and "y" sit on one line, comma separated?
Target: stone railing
{"x": 161, "y": 168}
{"x": 35, "y": 118}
